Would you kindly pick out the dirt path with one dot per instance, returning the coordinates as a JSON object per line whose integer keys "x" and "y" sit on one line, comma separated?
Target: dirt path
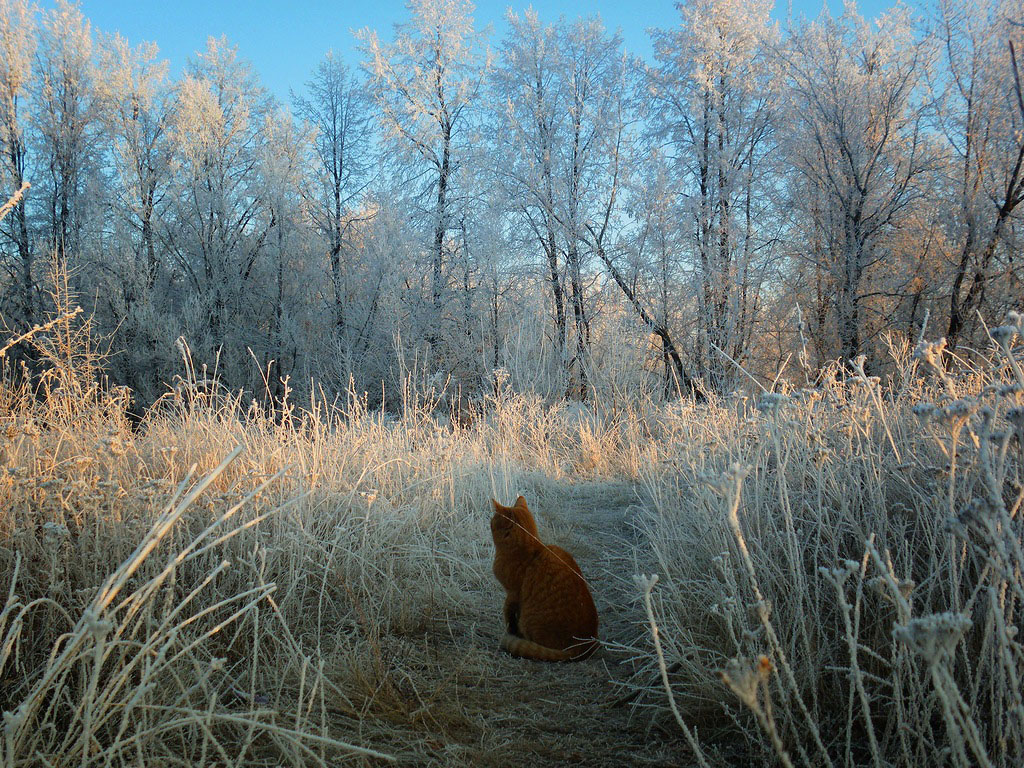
{"x": 474, "y": 706}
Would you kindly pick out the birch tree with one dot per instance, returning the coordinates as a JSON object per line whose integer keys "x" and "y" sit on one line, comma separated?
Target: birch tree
{"x": 136, "y": 100}
{"x": 595, "y": 72}
{"x": 67, "y": 119}
{"x": 337, "y": 109}
{"x": 125, "y": 266}
{"x": 530, "y": 114}
{"x": 855, "y": 138}
{"x": 281, "y": 162}
{"x": 17, "y": 50}
{"x": 711, "y": 112}
{"x": 220, "y": 220}
{"x": 654, "y": 279}
{"x": 564, "y": 91}
{"x": 978, "y": 114}
{"x": 424, "y": 84}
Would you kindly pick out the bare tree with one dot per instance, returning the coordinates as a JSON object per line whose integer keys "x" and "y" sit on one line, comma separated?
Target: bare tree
{"x": 220, "y": 219}
{"x": 855, "y": 138}
{"x": 281, "y": 164}
{"x": 337, "y": 109}
{"x": 654, "y": 278}
{"x": 712, "y": 112}
{"x": 424, "y": 84}
{"x": 977, "y": 113}
{"x": 529, "y": 102}
{"x": 17, "y": 49}
{"x": 594, "y": 65}
{"x": 136, "y": 111}
{"x": 67, "y": 118}
{"x": 564, "y": 90}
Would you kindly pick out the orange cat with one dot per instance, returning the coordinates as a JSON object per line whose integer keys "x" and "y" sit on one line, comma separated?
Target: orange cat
{"x": 549, "y": 613}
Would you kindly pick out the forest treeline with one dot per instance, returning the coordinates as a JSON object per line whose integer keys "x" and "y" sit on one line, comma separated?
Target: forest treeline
{"x": 537, "y": 209}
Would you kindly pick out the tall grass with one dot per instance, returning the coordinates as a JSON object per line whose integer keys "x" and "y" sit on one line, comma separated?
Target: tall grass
{"x": 840, "y": 569}
{"x": 235, "y": 584}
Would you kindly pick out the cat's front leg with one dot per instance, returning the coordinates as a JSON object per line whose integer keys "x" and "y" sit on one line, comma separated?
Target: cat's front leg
{"x": 511, "y": 611}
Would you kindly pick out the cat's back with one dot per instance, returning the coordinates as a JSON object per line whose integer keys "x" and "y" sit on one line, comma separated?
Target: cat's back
{"x": 554, "y": 583}
{"x": 566, "y": 558}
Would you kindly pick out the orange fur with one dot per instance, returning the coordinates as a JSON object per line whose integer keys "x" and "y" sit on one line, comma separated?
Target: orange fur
{"x": 549, "y": 613}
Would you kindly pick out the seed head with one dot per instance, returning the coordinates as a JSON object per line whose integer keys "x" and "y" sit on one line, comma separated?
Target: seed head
{"x": 935, "y": 637}
{"x": 958, "y": 411}
{"x": 743, "y": 676}
{"x": 55, "y": 533}
{"x": 925, "y": 411}
{"x": 838, "y": 576}
{"x": 771, "y": 402}
{"x": 98, "y": 628}
{"x": 14, "y": 720}
{"x": 930, "y": 351}
{"x": 1003, "y": 335}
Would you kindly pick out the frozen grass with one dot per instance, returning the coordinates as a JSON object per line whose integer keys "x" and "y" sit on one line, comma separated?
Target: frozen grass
{"x": 233, "y": 586}
{"x": 839, "y": 574}
{"x": 841, "y": 569}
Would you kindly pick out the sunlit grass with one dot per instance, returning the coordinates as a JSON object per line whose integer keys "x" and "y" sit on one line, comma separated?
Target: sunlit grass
{"x": 233, "y": 584}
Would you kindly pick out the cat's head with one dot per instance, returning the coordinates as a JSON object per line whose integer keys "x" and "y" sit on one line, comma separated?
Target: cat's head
{"x": 513, "y": 523}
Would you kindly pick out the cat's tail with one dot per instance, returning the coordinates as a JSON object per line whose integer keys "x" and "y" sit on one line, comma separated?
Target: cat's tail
{"x": 527, "y": 649}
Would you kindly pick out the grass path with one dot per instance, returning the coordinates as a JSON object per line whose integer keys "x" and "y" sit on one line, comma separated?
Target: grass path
{"x": 456, "y": 700}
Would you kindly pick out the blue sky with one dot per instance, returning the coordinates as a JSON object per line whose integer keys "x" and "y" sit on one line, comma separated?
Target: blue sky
{"x": 284, "y": 40}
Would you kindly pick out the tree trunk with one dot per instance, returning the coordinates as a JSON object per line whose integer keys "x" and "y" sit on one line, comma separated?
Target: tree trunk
{"x": 962, "y": 306}
{"x": 684, "y": 381}
{"x": 557, "y": 293}
{"x": 26, "y": 258}
{"x": 848, "y": 301}
{"x": 437, "y": 285}
{"x": 581, "y": 324}
{"x": 277, "y": 390}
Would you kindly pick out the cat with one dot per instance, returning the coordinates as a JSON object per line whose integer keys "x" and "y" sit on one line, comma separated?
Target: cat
{"x": 549, "y": 613}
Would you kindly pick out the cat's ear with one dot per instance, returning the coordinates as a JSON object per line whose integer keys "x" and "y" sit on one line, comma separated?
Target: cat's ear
{"x": 520, "y": 502}
{"x": 497, "y": 506}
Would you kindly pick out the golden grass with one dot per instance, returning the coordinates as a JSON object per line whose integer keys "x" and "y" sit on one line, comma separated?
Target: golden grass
{"x": 229, "y": 585}
{"x": 839, "y": 576}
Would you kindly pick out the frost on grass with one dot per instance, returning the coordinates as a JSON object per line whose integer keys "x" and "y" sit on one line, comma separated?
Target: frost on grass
{"x": 872, "y": 557}
{"x": 838, "y": 574}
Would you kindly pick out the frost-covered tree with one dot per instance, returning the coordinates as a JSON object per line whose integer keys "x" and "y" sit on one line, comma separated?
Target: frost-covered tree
{"x": 653, "y": 273}
{"x": 978, "y": 115}
{"x": 288, "y": 268}
{"x": 854, "y": 138}
{"x": 530, "y": 115}
{"x": 126, "y": 267}
{"x": 712, "y": 116}
{"x": 136, "y": 101}
{"x": 564, "y": 153}
{"x": 67, "y": 118}
{"x": 595, "y": 83}
{"x": 559, "y": 93}
{"x": 425, "y": 84}
{"x": 219, "y": 219}
{"x": 17, "y": 51}
{"x": 337, "y": 109}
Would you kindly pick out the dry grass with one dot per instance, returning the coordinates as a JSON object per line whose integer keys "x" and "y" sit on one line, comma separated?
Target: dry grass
{"x": 841, "y": 570}
{"x": 233, "y": 586}
{"x": 840, "y": 577}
